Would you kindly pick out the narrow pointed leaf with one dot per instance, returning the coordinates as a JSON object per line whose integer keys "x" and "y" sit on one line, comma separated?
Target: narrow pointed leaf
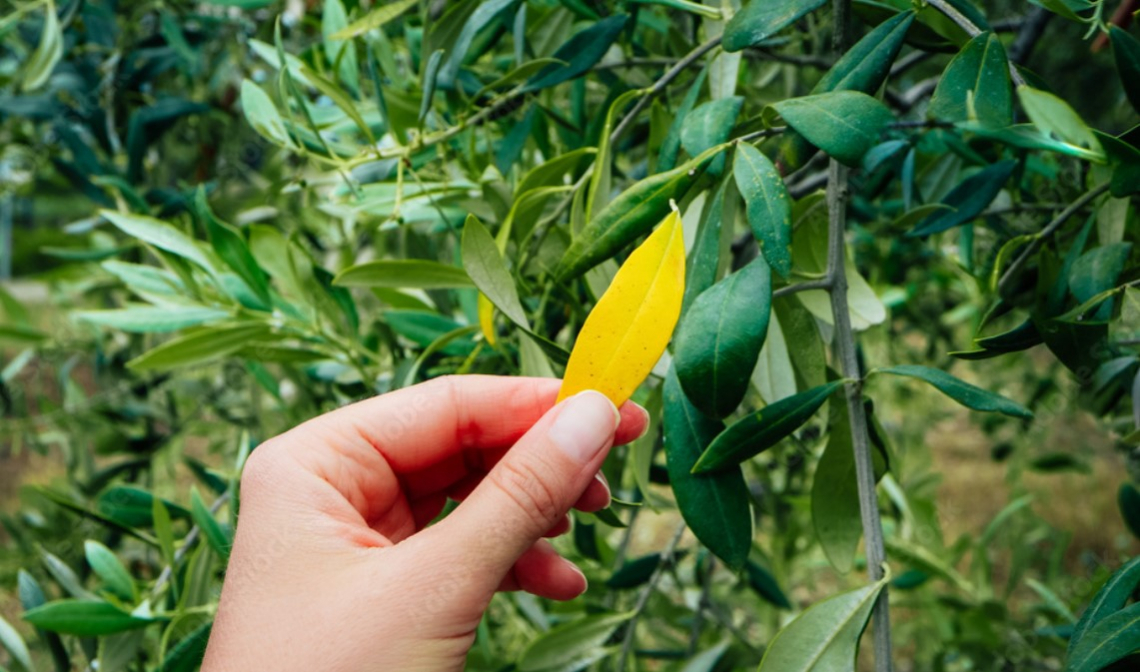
{"x": 824, "y": 638}
{"x": 381, "y": 14}
{"x": 107, "y": 567}
{"x": 233, "y": 249}
{"x": 960, "y": 391}
{"x": 671, "y": 145}
{"x": 17, "y": 649}
{"x": 627, "y": 331}
{"x": 835, "y": 495}
{"x": 1054, "y": 116}
{"x": 763, "y": 429}
{"x": 765, "y": 585}
{"x": 760, "y": 19}
{"x": 865, "y": 66}
{"x": 567, "y": 646}
{"x": 714, "y": 506}
{"x": 216, "y": 536}
{"x": 708, "y": 126}
{"x": 627, "y": 217}
{"x": 403, "y": 274}
{"x": 1108, "y": 600}
{"x": 769, "y": 206}
{"x": 200, "y": 347}
{"x": 489, "y": 271}
{"x": 967, "y": 200}
{"x": 152, "y": 319}
{"x": 1113, "y": 638}
{"x": 975, "y": 85}
{"x": 720, "y": 339}
{"x": 579, "y": 53}
{"x": 86, "y": 618}
{"x": 700, "y": 272}
{"x": 160, "y": 234}
{"x": 845, "y": 124}
{"x": 431, "y": 74}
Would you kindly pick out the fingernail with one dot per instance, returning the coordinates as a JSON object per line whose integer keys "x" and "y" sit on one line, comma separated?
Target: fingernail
{"x": 585, "y": 424}
{"x": 577, "y": 571}
{"x": 601, "y": 478}
{"x": 645, "y": 425}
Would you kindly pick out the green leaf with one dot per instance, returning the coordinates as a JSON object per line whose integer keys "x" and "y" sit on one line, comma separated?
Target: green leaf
{"x": 601, "y": 180}
{"x": 708, "y": 126}
{"x": 768, "y": 204}
{"x": 1126, "y": 51}
{"x": 670, "y": 146}
{"x": 13, "y": 333}
{"x": 835, "y": 495}
{"x": 424, "y": 328}
{"x": 960, "y": 391}
{"x": 1125, "y": 162}
{"x": 231, "y": 247}
{"x": 159, "y": 234}
{"x": 701, "y": 269}
{"x": 1098, "y": 271}
{"x": 1110, "y": 599}
{"x": 632, "y": 214}
{"x": 66, "y": 577}
{"x": 866, "y": 65}
{"x": 187, "y": 654}
{"x": 716, "y": 507}
{"x": 431, "y": 72}
{"x": 920, "y": 558}
{"x": 760, "y": 19}
{"x": 967, "y": 200}
{"x": 108, "y": 568}
{"x": 217, "y": 536}
{"x": 719, "y": 340}
{"x": 377, "y": 17}
{"x": 1054, "y": 116}
{"x": 1128, "y": 499}
{"x": 571, "y": 646}
{"x": 263, "y": 116}
{"x": 403, "y": 274}
{"x": 975, "y": 85}
{"x": 152, "y": 319}
{"x": 845, "y": 124}
{"x": 1113, "y": 638}
{"x": 634, "y": 573}
{"x": 163, "y": 530}
{"x": 824, "y": 638}
{"x": 763, "y": 429}
{"x": 488, "y": 270}
{"x": 205, "y": 345}
{"x": 341, "y": 54}
{"x": 765, "y": 585}
{"x": 11, "y": 640}
{"x": 457, "y": 50}
{"x": 86, "y": 618}
{"x": 39, "y": 66}
{"x": 580, "y": 53}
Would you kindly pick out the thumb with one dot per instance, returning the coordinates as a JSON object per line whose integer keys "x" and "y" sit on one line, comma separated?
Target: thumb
{"x": 532, "y": 486}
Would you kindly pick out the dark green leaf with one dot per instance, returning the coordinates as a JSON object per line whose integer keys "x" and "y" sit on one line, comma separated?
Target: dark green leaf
{"x": 233, "y": 250}
{"x": 715, "y": 506}
{"x": 967, "y": 200}
{"x": 960, "y": 391}
{"x": 845, "y": 124}
{"x": 456, "y": 51}
{"x": 835, "y": 495}
{"x": 580, "y": 53}
{"x": 634, "y": 572}
{"x": 709, "y": 125}
{"x": 1125, "y": 162}
{"x": 133, "y": 506}
{"x": 1111, "y": 639}
{"x": 670, "y": 146}
{"x": 769, "y": 206}
{"x": 1097, "y": 271}
{"x": 1126, "y": 50}
{"x": 865, "y": 66}
{"x": 187, "y": 654}
{"x": 1128, "y": 498}
{"x": 403, "y": 274}
{"x": 424, "y": 328}
{"x": 431, "y": 71}
{"x": 700, "y": 272}
{"x": 1108, "y": 600}
{"x": 632, "y": 214}
{"x": 763, "y": 429}
{"x": 84, "y": 618}
{"x": 979, "y": 77}
{"x": 760, "y": 19}
{"x": 765, "y": 585}
{"x": 719, "y": 341}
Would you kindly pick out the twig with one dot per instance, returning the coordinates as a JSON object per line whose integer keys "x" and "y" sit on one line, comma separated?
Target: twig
{"x": 795, "y": 59}
{"x": 1031, "y": 29}
{"x": 823, "y": 283}
{"x": 187, "y": 544}
{"x": 973, "y": 31}
{"x": 1049, "y": 229}
{"x": 661, "y": 84}
{"x": 646, "y": 593}
{"x": 837, "y": 195}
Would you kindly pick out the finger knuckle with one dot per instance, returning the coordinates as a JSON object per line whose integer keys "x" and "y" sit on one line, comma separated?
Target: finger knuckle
{"x": 524, "y": 482}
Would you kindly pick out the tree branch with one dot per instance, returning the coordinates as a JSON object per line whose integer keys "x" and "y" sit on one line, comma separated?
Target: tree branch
{"x": 646, "y": 593}
{"x": 837, "y": 195}
{"x": 1050, "y": 228}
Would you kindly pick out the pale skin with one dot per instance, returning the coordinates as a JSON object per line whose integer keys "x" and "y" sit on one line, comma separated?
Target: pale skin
{"x": 334, "y": 566}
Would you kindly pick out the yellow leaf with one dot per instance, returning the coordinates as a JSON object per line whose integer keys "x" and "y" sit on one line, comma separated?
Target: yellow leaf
{"x": 487, "y": 318}
{"x": 628, "y": 329}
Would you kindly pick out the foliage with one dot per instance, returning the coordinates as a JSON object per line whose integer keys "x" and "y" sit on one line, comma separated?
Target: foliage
{"x": 258, "y": 213}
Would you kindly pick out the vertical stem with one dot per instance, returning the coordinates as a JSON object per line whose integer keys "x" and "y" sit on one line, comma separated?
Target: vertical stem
{"x": 837, "y": 195}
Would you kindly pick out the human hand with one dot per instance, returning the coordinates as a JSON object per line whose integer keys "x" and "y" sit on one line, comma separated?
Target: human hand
{"x": 333, "y": 567}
